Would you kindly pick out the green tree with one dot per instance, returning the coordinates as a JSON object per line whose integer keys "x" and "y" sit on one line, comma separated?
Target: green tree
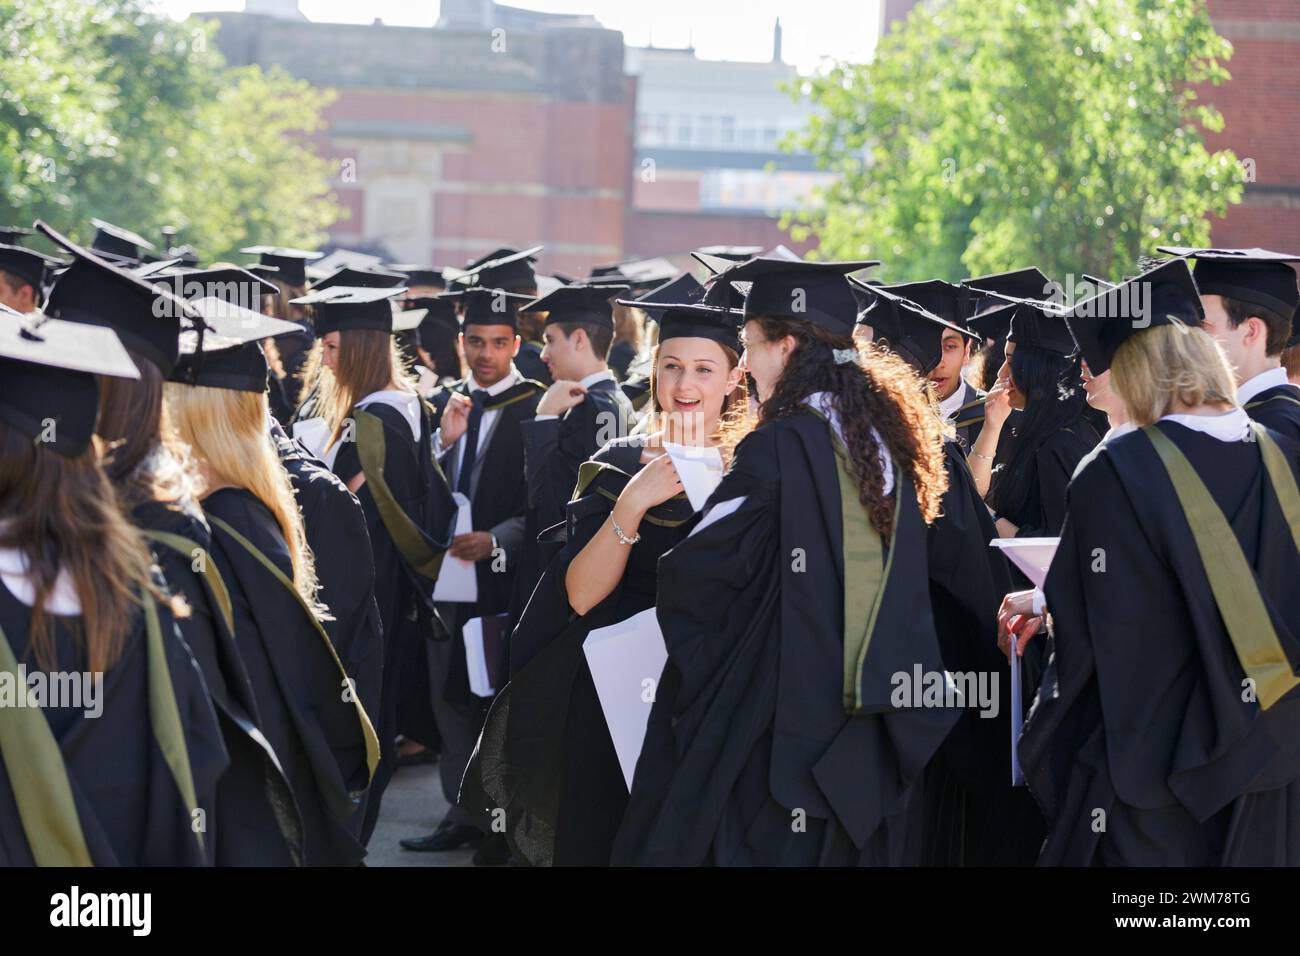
{"x": 992, "y": 134}
{"x": 110, "y": 110}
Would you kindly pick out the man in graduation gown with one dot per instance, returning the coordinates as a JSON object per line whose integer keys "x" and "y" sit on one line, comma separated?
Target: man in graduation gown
{"x": 23, "y": 273}
{"x": 477, "y": 443}
{"x": 1166, "y": 728}
{"x": 512, "y": 270}
{"x": 582, "y": 411}
{"x": 1250, "y": 298}
{"x": 974, "y": 817}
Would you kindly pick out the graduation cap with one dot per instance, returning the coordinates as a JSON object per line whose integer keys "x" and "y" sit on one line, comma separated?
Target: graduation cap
{"x": 730, "y": 253}
{"x": 683, "y": 320}
{"x": 992, "y": 319}
{"x": 579, "y": 302}
{"x": 291, "y": 263}
{"x": 13, "y": 235}
{"x": 817, "y": 292}
{"x": 1040, "y": 325}
{"x": 48, "y": 390}
{"x": 227, "y": 353}
{"x": 1165, "y": 295}
{"x": 1256, "y": 276}
{"x": 438, "y": 311}
{"x": 637, "y": 273}
{"x": 354, "y": 278}
{"x": 1028, "y": 283}
{"x": 343, "y": 258}
{"x": 229, "y": 283}
{"x": 117, "y": 242}
{"x": 343, "y": 307}
{"x": 483, "y": 306}
{"x": 418, "y": 275}
{"x": 684, "y": 289}
{"x": 949, "y": 301}
{"x": 511, "y": 271}
{"x": 95, "y": 291}
{"x": 26, "y": 264}
{"x": 908, "y": 328}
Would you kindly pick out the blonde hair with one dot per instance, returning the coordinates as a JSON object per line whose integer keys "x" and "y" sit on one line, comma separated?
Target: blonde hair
{"x": 227, "y": 430}
{"x": 368, "y": 359}
{"x": 1168, "y": 364}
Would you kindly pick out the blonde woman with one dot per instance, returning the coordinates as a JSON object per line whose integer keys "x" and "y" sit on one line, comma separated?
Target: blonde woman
{"x": 377, "y": 440}
{"x": 629, "y": 508}
{"x": 1172, "y": 605}
{"x": 308, "y": 708}
{"x": 117, "y": 775}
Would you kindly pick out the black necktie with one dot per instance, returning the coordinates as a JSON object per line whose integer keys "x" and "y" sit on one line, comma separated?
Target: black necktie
{"x": 479, "y": 398}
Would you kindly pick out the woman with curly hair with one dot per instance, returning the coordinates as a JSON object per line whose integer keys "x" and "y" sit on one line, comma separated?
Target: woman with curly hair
{"x": 785, "y": 729}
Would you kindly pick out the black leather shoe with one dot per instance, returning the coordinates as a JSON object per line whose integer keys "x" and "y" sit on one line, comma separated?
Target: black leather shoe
{"x": 448, "y": 836}
{"x": 494, "y": 852}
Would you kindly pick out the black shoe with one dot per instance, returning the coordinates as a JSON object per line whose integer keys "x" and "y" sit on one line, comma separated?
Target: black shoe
{"x": 494, "y": 852}
{"x": 448, "y": 836}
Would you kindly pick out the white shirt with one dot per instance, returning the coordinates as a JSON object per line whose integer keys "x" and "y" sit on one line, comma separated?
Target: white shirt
{"x": 948, "y": 407}
{"x": 62, "y": 600}
{"x": 489, "y": 419}
{"x": 1261, "y": 383}
{"x": 604, "y": 375}
{"x": 1116, "y": 430}
{"x": 1230, "y": 426}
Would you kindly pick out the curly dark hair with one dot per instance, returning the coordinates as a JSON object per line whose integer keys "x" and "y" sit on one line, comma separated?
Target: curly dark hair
{"x": 879, "y": 393}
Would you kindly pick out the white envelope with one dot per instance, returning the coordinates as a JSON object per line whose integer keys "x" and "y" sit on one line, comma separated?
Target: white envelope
{"x": 1033, "y": 556}
{"x": 700, "y": 469}
{"x": 456, "y": 579}
{"x": 626, "y": 661}
{"x": 480, "y": 684}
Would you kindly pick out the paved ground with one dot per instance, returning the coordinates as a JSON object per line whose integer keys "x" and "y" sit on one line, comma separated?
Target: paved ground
{"x": 413, "y": 805}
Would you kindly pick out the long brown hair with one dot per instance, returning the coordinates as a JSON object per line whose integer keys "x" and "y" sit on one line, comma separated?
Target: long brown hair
{"x": 368, "y": 359}
{"x": 143, "y": 458}
{"x": 61, "y": 514}
{"x": 877, "y": 393}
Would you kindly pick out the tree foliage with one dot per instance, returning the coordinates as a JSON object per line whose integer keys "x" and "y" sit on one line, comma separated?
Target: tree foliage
{"x": 992, "y": 134}
{"x": 108, "y": 109}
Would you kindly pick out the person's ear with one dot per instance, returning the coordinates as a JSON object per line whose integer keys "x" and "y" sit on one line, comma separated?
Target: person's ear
{"x": 1256, "y": 331}
{"x": 788, "y": 345}
{"x": 515, "y": 350}
{"x": 733, "y": 379}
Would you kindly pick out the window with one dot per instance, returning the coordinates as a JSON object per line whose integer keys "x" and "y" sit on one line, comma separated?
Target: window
{"x": 684, "y": 130}
{"x": 726, "y": 130}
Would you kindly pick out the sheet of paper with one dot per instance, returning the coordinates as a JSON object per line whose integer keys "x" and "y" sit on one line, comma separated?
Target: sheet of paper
{"x": 700, "y": 469}
{"x": 1017, "y": 718}
{"x": 480, "y": 684}
{"x": 1033, "y": 556}
{"x": 718, "y": 512}
{"x": 314, "y": 433}
{"x": 626, "y": 661}
{"x": 456, "y": 579}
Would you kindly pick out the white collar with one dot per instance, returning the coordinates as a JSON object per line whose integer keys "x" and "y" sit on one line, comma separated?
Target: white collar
{"x": 1123, "y": 428}
{"x": 823, "y": 403}
{"x": 949, "y": 406}
{"x": 1261, "y": 383}
{"x": 408, "y": 403}
{"x": 62, "y": 600}
{"x": 604, "y": 375}
{"x": 1230, "y": 426}
{"x": 511, "y": 379}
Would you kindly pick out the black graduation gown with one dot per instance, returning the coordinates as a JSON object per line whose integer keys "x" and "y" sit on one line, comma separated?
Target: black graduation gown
{"x": 545, "y": 756}
{"x": 1142, "y": 747}
{"x": 1277, "y": 408}
{"x": 286, "y": 393}
{"x": 254, "y": 820}
{"x": 530, "y": 364}
{"x": 297, "y": 682}
{"x": 621, "y": 355}
{"x": 750, "y": 756}
{"x": 128, "y": 802}
{"x": 500, "y": 496}
{"x": 1042, "y": 512}
{"x": 969, "y": 419}
{"x": 974, "y": 816}
{"x": 554, "y": 450}
{"x": 337, "y": 536}
{"x": 404, "y": 593}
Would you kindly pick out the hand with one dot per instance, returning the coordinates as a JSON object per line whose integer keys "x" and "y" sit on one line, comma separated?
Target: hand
{"x": 997, "y": 405}
{"x": 561, "y": 397}
{"x": 1016, "y": 619}
{"x": 455, "y": 419}
{"x": 474, "y": 546}
{"x": 652, "y": 485}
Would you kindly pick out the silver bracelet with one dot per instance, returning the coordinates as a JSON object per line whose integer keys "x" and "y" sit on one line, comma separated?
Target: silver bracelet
{"x": 622, "y": 537}
{"x": 978, "y": 455}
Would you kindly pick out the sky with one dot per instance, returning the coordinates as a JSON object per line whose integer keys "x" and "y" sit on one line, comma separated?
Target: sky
{"x": 719, "y": 29}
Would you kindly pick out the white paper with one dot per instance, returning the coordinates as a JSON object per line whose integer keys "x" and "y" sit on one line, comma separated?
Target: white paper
{"x": 1017, "y": 718}
{"x": 480, "y": 684}
{"x": 718, "y": 512}
{"x": 456, "y": 579}
{"x": 1033, "y": 556}
{"x": 626, "y": 661}
{"x": 700, "y": 469}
